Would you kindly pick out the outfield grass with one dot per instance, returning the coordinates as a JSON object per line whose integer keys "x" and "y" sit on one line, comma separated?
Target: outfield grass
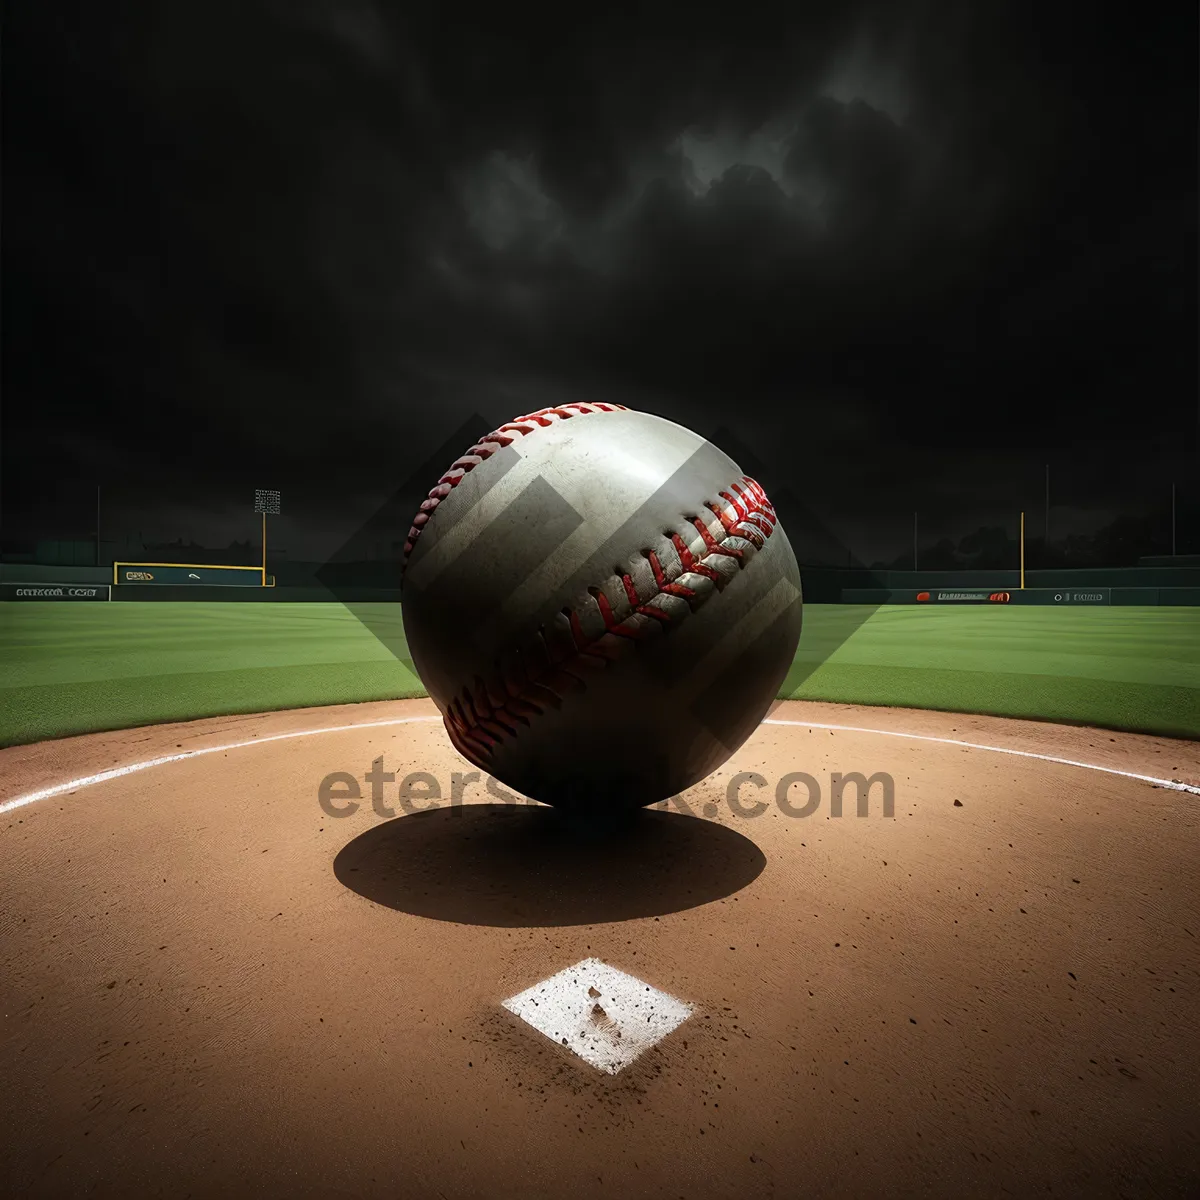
{"x": 67, "y": 668}
{"x": 75, "y": 668}
{"x": 1129, "y": 668}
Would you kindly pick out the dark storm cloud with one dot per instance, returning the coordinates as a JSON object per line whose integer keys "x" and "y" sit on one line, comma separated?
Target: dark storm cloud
{"x": 312, "y": 239}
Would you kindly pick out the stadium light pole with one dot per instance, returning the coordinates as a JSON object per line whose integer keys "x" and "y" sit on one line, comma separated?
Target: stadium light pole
{"x": 1046, "y": 542}
{"x": 1022, "y": 552}
{"x": 265, "y": 502}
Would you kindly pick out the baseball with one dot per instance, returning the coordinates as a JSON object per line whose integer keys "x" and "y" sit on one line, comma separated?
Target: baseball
{"x": 602, "y": 605}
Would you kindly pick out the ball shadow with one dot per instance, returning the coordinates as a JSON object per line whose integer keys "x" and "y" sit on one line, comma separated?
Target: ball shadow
{"x": 523, "y": 866}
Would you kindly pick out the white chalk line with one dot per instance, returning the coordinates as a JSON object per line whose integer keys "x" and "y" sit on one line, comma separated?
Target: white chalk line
{"x": 1175, "y": 784}
{"x": 72, "y": 785}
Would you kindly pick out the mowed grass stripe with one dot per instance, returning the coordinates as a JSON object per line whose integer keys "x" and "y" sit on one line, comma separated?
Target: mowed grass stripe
{"x": 60, "y": 643}
{"x": 1150, "y": 645}
{"x": 1133, "y": 707}
{"x": 59, "y": 710}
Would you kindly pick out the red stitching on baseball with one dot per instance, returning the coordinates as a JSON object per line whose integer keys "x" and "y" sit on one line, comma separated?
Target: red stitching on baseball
{"x": 476, "y": 733}
{"x": 483, "y": 450}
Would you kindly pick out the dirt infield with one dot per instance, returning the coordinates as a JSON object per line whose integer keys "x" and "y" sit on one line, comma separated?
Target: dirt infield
{"x": 213, "y": 986}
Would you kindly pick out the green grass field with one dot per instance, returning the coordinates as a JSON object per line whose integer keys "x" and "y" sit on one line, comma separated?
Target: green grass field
{"x": 67, "y": 669}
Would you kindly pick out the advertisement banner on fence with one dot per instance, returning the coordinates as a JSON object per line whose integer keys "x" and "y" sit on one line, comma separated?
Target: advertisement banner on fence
{"x": 54, "y": 591}
{"x": 988, "y": 596}
{"x": 1078, "y": 595}
{"x": 187, "y": 575}
{"x": 942, "y": 596}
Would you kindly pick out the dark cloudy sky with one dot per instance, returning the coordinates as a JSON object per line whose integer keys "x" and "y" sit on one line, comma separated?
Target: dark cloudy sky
{"x": 909, "y": 251}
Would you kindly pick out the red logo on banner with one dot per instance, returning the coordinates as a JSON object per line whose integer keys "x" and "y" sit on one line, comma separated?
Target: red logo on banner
{"x": 999, "y": 597}
{"x": 922, "y": 595}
